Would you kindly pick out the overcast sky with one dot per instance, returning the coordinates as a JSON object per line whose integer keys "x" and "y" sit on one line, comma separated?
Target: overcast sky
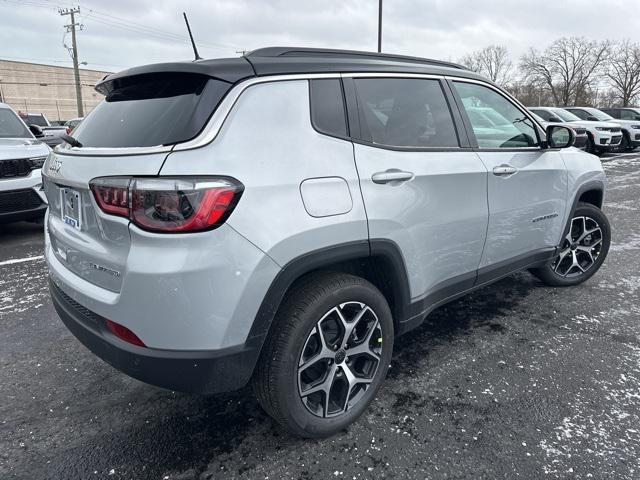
{"x": 121, "y": 33}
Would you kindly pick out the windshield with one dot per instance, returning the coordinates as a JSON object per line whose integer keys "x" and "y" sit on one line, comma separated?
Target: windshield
{"x": 603, "y": 117}
{"x": 151, "y": 110}
{"x": 564, "y": 115}
{"x": 11, "y": 126}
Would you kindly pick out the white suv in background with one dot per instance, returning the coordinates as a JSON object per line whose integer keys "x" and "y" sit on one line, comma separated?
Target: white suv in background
{"x": 21, "y": 158}
{"x": 629, "y": 120}
{"x": 603, "y": 136}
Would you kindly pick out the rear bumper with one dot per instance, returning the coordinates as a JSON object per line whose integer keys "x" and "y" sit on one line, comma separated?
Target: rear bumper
{"x": 202, "y": 372}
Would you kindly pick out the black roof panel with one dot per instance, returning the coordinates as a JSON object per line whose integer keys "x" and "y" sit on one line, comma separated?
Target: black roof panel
{"x": 294, "y": 60}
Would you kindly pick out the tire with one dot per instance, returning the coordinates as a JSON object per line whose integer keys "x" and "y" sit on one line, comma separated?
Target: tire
{"x": 585, "y": 253}
{"x": 625, "y": 144}
{"x": 591, "y": 146}
{"x": 294, "y": 344}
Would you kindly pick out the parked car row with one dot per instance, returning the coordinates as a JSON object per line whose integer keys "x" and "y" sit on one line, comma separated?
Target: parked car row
{"x": 606, "y": 130}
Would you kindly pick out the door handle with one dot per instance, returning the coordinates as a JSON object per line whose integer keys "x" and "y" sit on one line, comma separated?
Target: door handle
{"x": 393, "y": 175}
{"x": 503, "y": 170}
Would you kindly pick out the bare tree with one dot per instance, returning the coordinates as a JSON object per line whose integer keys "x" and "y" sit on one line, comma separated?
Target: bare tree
{"x": 566, "y": 68}
{"x": 623, "y": 72}
{"x": 492, "y": 62}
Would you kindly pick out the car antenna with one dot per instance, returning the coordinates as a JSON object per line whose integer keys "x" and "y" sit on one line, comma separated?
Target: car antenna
{"x": 195, "y": 50}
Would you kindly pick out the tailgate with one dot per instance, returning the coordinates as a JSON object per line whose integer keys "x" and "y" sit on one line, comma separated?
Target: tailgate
{"x": 86, "y": 241}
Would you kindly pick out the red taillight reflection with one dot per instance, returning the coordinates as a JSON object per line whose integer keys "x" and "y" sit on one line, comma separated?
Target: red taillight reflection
{"x": 123, "y": 333}
{"x": 164, "y": 204}
{"x": 69, "y": 130}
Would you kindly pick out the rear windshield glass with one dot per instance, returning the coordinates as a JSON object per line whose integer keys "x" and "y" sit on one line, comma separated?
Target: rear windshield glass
{"x": 565, "y": 115}
{"x": 150, "y": 110}
{"x": 36, "y": 120}
{"x": 11, "y": 126}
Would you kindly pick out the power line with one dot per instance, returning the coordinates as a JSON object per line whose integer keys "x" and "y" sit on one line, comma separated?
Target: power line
{"x": 153, "y": 30}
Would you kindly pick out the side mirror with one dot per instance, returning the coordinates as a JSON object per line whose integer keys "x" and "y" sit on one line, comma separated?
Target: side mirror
{"x": 555, "y": 119}
{"x": 560, "y": 137}
{"x": 637, "y": 117}
{"x": 591, "y": 118}
{"x": 36, "y": 130}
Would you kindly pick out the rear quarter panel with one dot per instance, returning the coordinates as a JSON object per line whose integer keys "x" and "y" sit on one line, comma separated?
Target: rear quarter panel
{"x": 267, "y": 142}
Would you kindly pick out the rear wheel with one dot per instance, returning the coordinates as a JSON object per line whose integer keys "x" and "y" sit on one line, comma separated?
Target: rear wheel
{"x": 325, "y": 358}
{"x": 625, "y": 144}
{"x": 583, "y": 249}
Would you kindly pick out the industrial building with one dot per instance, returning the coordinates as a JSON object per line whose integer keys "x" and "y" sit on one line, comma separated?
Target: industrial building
{"x": 47, "y": 89}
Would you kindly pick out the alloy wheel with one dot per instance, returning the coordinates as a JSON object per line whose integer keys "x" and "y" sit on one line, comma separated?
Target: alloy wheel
{"x": 580, "y": 249}
{"x": 339, "y": 359}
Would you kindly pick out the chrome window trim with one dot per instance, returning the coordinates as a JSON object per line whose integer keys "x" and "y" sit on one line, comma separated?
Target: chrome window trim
{"x": 212, "y": 129}
{"x": 214, "y": 125}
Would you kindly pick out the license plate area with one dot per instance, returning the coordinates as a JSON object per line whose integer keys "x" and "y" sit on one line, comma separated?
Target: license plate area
{"x": 70, "y": 207}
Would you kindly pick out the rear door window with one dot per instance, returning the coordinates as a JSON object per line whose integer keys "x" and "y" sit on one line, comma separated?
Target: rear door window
{"x": 405, "y": 112}
{"x": 151, "y": 110}
{"x": 543, "y": 114}
{"x": 327, "y": 107}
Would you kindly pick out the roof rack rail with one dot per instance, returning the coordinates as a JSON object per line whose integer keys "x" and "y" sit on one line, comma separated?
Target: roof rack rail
{"x": 322, "y": 52}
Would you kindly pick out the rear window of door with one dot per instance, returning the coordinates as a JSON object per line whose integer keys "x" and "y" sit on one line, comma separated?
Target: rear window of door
{"x": 151, "y": 110}
{"x": 543, "y": 114}
{"x": 496, "y": 121}
{"x": 328, "y": 114}
{"x": 405, "y": 112}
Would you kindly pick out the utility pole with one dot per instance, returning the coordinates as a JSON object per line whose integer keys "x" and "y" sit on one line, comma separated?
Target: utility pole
{"x": 74, "y": 53}
{"x": 379, "y": 26}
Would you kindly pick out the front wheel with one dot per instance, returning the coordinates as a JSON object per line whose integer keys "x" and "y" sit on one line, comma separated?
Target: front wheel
{"x": 583, "y": 249}
{"x": 625, "y": 145}
{"x": 327, "y": 354}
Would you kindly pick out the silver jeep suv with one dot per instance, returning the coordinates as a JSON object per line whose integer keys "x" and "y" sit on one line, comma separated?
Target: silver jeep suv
{"x": 278, "y": 219}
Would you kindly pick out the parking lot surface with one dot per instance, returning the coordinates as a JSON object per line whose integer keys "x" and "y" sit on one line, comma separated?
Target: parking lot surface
{"x": 515, "y": 381}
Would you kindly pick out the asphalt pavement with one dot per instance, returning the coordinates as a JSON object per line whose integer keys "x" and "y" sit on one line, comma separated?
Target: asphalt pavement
{"x": 516, "y": 380}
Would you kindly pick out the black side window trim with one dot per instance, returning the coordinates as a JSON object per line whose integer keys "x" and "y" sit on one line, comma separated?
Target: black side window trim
{"x": 344, "y": 107}
{"x": 469, "y": 128}
{"x": 354, "y": 118}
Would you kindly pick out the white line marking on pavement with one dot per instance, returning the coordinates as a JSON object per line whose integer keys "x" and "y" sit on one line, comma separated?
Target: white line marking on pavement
{"x": 21, "y": 260}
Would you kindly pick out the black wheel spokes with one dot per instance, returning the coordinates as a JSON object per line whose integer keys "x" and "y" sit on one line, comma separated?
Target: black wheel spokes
{"x": 339, "y": 359}
{"x": 580, "y": 249}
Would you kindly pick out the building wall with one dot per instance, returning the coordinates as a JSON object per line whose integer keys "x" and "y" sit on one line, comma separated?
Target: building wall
{"x": 47, "y": 89}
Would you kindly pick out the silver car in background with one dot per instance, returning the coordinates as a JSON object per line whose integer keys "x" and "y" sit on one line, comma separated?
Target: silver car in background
{"x": 278, "y": 219}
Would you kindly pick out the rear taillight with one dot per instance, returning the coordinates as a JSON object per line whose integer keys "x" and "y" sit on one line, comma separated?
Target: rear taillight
{"x": 69, "y": 130}
{"x": 112, "y": 195}
{"x": 168, "y": 204}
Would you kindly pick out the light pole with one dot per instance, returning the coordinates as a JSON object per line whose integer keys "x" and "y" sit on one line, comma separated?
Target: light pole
{"x": 379, "y": 26}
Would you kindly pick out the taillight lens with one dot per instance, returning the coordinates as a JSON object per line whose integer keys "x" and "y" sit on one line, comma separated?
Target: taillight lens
{"x": 69, "y": 130}
{"x": 112, "y": 195}
{"x": 168, "y": 204}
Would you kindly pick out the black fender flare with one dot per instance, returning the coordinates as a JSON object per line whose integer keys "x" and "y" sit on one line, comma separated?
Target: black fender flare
{"x": 597, "y": 185}
{"x": 387, "y": 250}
